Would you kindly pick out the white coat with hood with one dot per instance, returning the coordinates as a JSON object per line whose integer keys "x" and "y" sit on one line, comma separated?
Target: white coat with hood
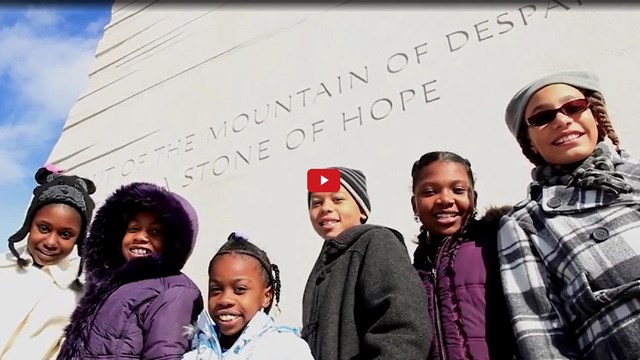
{"x": 36, "y": 306}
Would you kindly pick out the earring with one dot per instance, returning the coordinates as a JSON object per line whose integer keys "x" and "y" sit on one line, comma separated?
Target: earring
{"x": 416, "y": 218}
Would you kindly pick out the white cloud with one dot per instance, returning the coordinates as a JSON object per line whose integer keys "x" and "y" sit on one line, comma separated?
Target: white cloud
{"x": 42, "y": 17}
{"x": 21, "y": 137}
{"x": 10, "y": 166}
{"x": 44, "y": 71}
{"x": 97, "y": 26}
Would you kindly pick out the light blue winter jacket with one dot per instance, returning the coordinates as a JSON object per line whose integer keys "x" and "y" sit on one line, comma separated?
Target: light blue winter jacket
{"x": 261, "y": 339}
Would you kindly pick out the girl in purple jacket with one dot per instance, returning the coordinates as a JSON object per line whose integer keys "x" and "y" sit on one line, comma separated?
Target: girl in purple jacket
{"x": 457, "y": 261}
{"x": 137, "y": 302}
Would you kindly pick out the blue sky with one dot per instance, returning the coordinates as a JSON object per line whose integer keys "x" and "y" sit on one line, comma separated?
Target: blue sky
{"x": 45, "y": 56}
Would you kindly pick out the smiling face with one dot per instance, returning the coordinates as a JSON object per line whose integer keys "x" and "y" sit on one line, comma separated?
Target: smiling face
{"x": 568, "y": 138}
{"x": 443, "y": 197}
{"x": 237, "y": 291}
{"x": 54, "y": 231}
{"x": 333, "y": 213}
{"x": 144, "y": 236}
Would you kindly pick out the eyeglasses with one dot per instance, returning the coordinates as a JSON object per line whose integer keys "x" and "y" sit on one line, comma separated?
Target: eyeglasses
{"x": 546, "y": 116}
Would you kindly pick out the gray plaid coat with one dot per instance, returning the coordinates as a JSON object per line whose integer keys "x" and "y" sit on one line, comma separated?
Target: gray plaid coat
{"x": 570, "y": 264}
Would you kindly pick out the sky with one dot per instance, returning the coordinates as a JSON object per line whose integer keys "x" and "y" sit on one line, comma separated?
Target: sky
{"x": 45, "y": 56}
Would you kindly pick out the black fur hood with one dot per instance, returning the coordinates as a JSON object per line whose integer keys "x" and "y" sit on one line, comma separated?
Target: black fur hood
{"x": 102, "y": 255}
{"x": 490, "y": 221}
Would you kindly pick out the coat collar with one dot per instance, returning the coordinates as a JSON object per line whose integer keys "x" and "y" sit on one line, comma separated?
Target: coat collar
{"x": 562, "y": 199}
{"x": 63, "y": 273}
{"x": 208, "y": 338}
{"x": 333, "y": 248}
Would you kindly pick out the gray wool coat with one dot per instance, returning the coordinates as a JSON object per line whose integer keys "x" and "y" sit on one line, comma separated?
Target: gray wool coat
{"x": 364, "y": 299}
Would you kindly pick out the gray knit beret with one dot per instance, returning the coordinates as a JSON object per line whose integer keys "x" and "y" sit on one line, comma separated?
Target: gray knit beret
{"x": 514, "y": 115}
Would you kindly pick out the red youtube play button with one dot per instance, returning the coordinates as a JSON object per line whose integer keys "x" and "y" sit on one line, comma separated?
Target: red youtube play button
{"x": 323, "y": 180}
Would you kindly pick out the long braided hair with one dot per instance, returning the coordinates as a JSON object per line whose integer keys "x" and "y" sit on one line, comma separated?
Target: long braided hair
{"x": 603, "y": 124}
{"x": 421, "y": 255}
{"x": 239, "y": 244}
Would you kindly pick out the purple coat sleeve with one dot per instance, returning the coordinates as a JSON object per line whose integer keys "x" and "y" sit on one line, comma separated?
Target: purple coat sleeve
{"x": 165, "y": 323}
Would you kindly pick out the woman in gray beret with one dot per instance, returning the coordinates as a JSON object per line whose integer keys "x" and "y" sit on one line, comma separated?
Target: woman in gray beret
{"x": 570, "y": 252}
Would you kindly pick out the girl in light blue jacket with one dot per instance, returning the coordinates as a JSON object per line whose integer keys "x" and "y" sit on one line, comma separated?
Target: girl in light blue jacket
{"x": 242, "y": 287}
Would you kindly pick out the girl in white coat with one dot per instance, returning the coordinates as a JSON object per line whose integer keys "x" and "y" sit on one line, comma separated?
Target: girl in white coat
{"x": 44, "y": 271}
{"x": 242, "y": 287}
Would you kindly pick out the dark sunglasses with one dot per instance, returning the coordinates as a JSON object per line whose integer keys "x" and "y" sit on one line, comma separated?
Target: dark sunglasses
{"x": 570, "y": 108}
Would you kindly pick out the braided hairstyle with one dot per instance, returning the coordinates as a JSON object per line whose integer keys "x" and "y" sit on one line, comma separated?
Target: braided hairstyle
{"x": 239, "y": 244}
{"x": 421, "y": 254}
{"x": 431, "y": 157}
{"x": 603, "y": 124}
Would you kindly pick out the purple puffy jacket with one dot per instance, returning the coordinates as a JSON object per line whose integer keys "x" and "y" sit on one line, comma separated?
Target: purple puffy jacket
{"x": 135, "y": 309}
{"x": 465, "y": 297}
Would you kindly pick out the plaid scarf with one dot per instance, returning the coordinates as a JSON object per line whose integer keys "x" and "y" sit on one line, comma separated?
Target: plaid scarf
{"x": 595, "y": 172}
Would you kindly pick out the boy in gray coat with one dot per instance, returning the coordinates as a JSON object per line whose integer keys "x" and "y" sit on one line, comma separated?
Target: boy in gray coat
{"x": 363, "y": 299}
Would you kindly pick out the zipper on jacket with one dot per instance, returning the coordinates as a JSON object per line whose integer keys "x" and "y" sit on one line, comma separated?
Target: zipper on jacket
{"x": 436, "y": 308}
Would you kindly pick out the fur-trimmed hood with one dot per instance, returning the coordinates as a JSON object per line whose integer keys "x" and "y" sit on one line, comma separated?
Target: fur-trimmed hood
{"x": 102, "y": 255}
{"x": 495, "y": 213}
{"x": 490, "y": 221}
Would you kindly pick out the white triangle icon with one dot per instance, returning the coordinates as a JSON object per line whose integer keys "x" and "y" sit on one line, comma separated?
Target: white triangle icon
{"x": 323, "y": 180}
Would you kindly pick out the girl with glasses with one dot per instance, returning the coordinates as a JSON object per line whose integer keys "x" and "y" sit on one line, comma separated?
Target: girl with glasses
{"x": 569, "y": 252}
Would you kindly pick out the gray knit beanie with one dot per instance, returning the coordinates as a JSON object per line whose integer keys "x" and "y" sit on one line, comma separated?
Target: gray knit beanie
{"x": 514, "y": 115}
{"x": 355, "y": 182}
